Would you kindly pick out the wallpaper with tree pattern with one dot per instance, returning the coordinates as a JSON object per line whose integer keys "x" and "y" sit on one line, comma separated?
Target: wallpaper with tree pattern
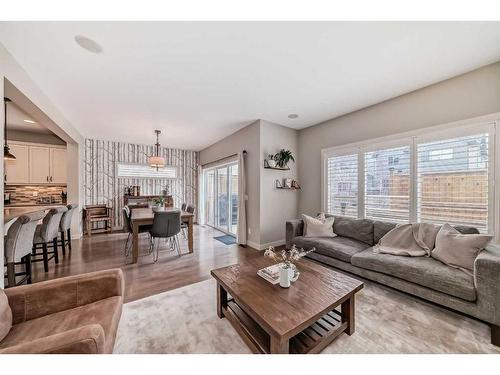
{"x": 102, "y": 185}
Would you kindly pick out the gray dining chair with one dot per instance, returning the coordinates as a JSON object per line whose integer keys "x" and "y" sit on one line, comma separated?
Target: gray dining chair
{"x": 45, "y": 233}
{"x": 184, "y": 226}
{"x": 183, "y": 207}
{"x": 167, "y": 225}
{"x": 17, "y": 246}
{"x": 65, "y": 226}
{"x": 127, "y": 226}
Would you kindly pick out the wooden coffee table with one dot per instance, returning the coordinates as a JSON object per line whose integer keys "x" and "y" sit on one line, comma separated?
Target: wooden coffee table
{"x": 304, "y": 318}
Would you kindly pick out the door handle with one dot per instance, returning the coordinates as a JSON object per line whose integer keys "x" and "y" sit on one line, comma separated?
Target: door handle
{"x": 47, "y": 178}
{"x": 50, "y": 178}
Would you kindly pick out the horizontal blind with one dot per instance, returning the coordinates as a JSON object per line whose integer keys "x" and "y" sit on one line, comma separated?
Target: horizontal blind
{"x": 452, "y": 178}
{"x": 342, "y": 185}
{"x": 387, "y": 184}
{"x": 145, "y": 171}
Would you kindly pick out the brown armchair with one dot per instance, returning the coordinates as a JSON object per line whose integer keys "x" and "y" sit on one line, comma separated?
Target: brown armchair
{"x": 76, "y": 314}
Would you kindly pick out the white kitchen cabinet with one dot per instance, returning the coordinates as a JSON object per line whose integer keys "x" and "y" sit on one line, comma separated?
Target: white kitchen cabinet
{"x": 57, "y": 165}
{"x": 39, "y": 165}
{"x": 17, "y": 171}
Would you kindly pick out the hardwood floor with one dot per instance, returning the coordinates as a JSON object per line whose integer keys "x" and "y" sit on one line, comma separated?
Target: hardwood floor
{"x": 146, "y": 278}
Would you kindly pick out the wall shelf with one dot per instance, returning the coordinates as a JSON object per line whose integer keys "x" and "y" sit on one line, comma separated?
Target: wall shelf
{"x": 286, "y": 188}
{"x": 276, "y": 168}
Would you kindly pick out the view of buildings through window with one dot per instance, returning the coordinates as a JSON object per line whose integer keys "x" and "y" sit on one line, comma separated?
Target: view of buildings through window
{"x": 451, "y": 182}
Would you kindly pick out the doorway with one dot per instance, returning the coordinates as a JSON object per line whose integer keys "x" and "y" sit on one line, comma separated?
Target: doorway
{"x": 221, "y": 197}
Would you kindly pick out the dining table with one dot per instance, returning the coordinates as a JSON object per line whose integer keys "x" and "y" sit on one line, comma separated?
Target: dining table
{"x": 144, "y": 216}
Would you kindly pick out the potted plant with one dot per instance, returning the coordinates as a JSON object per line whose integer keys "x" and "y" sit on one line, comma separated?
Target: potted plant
{"x": 286, "y": 260}
{"x": 160, "y": 201}
{"x": 270, "y": 161}
{"x": 283, "y": 157}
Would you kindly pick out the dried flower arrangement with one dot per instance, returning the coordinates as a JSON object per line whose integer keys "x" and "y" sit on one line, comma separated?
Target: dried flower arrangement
{"x": 287, "y": 257}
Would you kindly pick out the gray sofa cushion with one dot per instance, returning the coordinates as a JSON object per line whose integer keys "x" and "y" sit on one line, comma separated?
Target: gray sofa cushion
{"x": 424, "y": 271}
{"x": 341, "y": 248}
{"x": 380, "y": 229}
{"x": 358, "y": 229}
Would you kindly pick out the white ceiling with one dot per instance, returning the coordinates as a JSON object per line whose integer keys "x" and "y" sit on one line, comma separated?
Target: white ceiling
{"x": 16, "y": 117}
{"x": 201, "y": 81}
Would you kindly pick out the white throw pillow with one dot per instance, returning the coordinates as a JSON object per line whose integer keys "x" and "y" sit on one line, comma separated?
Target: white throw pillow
{"x": 318, "y": 227}
{"x": 458, "y": 250}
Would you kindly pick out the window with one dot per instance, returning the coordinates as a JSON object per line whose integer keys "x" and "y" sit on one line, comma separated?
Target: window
{"x": 387, "y": 189}
{"x": 343, "y": 185}
{"x": 454, "y": 190}
{"x": 438, "y": 177}
{"x": 145, "y": 171}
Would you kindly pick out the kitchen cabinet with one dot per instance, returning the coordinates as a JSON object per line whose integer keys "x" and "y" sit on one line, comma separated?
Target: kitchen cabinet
{"x": 36, "y": 164}
{"x": 17, "y": 171}
{"x": 39, "y": 165}
{"x": 57, "y": 165}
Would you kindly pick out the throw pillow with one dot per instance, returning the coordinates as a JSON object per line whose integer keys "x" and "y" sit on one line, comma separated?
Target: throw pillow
{"x": 458, "y": 250}
{"x": 318, "y": 227}
{"x": 5, "y": 315}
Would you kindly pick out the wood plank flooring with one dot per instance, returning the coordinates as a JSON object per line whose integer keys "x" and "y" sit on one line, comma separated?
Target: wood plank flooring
{"x": 106, "y": 251}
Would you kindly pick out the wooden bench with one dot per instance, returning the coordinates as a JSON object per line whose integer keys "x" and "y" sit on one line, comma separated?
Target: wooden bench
{"x": 97, "y": 213}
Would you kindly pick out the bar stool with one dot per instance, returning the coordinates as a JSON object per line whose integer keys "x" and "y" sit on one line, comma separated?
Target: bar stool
{"x": 65, "y": 227}
{"x": 45, "y": 233}
{"x": 17, "y": 246}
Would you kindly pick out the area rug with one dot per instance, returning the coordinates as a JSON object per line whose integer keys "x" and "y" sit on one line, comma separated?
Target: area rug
{"x": 387, "y": 321}
{"x": 226, "y": 240}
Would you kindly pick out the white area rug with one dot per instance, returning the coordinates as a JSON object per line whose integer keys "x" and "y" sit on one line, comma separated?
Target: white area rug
{"x": 185, "y": 321}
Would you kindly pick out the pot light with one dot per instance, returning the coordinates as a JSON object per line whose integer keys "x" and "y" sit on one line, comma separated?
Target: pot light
{"x": 30, "y": 121}
{"x": 293, "y": 116}
{"x": 88, "y": 44}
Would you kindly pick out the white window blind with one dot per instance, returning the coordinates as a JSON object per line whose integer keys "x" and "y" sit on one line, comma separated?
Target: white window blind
{"x": 454, "y": 188}
{"x": 145, "y": 171}
{"x": 387, "y": 184}
{"x": 342, "y": 194}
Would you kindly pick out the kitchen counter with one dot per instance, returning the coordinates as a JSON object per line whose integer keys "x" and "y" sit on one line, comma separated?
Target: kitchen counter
{"x": 33, "y": 205}
{"x": 11, "y": 213}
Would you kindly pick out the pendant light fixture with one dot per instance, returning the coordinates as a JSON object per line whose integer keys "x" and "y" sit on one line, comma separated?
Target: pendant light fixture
{"x": 156, "y": 161}
{"x": 6, "y": 152}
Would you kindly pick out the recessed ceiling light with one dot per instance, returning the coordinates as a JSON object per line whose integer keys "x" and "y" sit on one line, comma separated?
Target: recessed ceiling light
{"x": 30, "y": 121}
{"x": 88, "y": 44}
{"x": 293, "y": 115}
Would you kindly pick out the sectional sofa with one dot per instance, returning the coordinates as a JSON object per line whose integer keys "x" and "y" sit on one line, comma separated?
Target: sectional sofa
{"x": 351, "y": 251}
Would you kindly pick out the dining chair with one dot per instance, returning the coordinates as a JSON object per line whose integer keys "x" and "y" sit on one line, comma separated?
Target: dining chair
{"x": 127, "y": 226}
{"x": 47, "y": 232}
{"x": 184, "y": 226}
{"x": 17, "y": 247}
{"x": 65, "y": 227}
{"x": 183, "y": 207}
{"x": 166, "y": 224}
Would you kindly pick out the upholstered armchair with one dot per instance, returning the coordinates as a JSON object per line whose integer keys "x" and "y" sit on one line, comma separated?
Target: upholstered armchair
{"x": 76, "y": 314}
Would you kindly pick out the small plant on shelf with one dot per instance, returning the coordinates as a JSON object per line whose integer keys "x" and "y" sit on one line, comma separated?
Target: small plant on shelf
{"x": 283, "y": 157}
{"x": 160, "y": 201}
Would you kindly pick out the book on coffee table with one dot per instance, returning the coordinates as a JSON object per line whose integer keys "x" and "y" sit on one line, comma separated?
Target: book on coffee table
{"x": 271, "y": 273}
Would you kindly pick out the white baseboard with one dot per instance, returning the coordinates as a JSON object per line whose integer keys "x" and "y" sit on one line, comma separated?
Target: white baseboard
{"x": 264, "y": 246}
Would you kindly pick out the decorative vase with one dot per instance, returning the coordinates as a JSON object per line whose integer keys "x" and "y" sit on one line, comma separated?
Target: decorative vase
{"x": 287, "y": 276}
{"x": 271, "y": 163}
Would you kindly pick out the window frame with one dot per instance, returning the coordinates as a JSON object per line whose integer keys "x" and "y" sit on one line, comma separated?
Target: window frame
{"x": 412, "y": 139}
{"x": 152, "y": 177}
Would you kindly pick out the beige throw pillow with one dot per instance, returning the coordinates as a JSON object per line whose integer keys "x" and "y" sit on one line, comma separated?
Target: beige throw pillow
{"x": 458, "y": 250}
{"x": 318, "y": 227}
{"x": 5, "y": 315}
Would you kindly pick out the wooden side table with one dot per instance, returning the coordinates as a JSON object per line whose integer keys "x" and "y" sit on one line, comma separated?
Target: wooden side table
{"x": 95, "y": 214}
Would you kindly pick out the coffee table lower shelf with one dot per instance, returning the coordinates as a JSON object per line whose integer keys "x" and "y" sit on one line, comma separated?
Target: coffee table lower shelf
{"x": 313, "y": 339}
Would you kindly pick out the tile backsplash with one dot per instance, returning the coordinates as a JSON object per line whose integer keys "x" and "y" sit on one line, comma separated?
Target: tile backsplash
{"x": 35, "y": 194}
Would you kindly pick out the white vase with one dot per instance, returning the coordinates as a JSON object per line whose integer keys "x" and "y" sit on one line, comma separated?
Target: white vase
{"x": 287, "y": 276}
{"x": 271, "y": 163}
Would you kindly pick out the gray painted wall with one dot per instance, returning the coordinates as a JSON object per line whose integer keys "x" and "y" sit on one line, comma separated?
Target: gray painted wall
{"x": 470, "y": 95}
{"x": 23, "y": 136}
{"x": 276, "y": 206}
{"x": 247, "y": 139}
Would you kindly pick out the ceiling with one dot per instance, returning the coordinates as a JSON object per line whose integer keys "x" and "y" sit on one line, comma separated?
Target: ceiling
{"x": 16, "y": 121}
{"x": 200, "y": 81}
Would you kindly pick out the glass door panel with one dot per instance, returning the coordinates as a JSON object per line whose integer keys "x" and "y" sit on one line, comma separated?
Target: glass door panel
{"x": 210, "y": 197}
{"x": 222, "y": 199}
{"x": 233, "y": 209}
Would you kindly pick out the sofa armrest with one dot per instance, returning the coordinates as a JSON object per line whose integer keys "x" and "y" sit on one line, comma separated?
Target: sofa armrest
{"x": 35, "y": 300}
{"x": 83, "y": 340}
{"x": 294, "y": 228}
{"x": 487, "y": 281}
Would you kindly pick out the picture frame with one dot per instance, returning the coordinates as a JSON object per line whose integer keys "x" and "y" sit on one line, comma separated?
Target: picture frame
{"x": 278, "y": 184}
